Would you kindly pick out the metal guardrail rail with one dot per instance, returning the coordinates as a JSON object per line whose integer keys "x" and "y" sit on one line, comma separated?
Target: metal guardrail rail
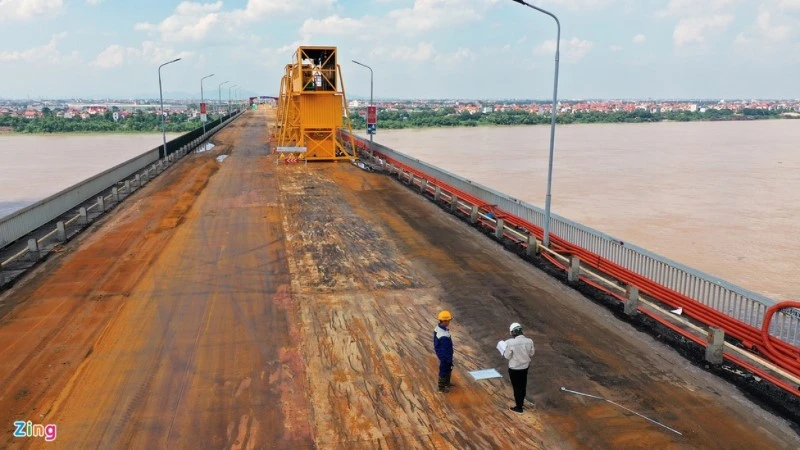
{"x": 120, "y": 181}
{"x": 734, "y": 301}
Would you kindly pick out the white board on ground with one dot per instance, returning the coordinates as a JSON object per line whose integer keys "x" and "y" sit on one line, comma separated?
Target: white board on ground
{"x": 485, "y": 374}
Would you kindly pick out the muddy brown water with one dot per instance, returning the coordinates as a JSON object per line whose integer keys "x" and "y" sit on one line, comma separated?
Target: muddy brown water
{"x": 33, "y": 167}
{"x": 722, "y": 197}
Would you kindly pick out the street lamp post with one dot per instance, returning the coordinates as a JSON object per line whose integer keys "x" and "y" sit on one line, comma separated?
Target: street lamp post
{"x": 219, "y": 93}
{"x": 202, "y": 100}
{"x": 229, "y": 97}
{"x": 546, "y": 237}
{"x": 161, "y": 96}
{"x": 370, "y": 98}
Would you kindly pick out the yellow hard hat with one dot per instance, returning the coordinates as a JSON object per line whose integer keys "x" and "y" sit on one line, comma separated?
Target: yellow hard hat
{"x": 445, "y": 315}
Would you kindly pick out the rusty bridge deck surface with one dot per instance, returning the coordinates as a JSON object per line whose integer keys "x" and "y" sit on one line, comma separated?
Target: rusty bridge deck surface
{"x": 248, "y": 305}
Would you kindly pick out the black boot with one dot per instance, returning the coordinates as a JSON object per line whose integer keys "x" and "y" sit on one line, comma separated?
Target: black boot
{"x": 443, "y": 385}
{"x": 447, "y": 380}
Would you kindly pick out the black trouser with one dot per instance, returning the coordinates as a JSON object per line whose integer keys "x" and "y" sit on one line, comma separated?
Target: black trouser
{"x": 519, "y": 381}
{"x": 445, "y": 370}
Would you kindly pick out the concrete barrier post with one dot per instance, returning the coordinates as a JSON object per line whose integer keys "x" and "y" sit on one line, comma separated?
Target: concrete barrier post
{"x": 473, "y": 215}
{"x": 632, "y": 293}
{"x": 574, "y": 269}
{"x": 101, "y": 203}
{"x": 411, "y": 179}
{"x": 437, "y": 194}
{"x": 533, "y": 245}
{"x": 716, "y": 342}
{"x": 33, "y": 249}
{"x": 423, "y": 186}
{"x": 127, "y": 187}
{"x": 115, "y": 194}
{"x": 84, "y": 215}
{"x": 499, "y": 228}
{"x": 61, "y": 231}
{"x": 453, "y": 203}
{"x": 138, "y": 180}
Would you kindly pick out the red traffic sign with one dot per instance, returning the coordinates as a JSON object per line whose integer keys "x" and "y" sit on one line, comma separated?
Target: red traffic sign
{"x": 372, "y": 115}
{"x": 202, "y": 108}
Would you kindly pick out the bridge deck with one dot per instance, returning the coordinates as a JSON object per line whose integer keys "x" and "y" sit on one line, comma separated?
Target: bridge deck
{"x": 249, "y": 305}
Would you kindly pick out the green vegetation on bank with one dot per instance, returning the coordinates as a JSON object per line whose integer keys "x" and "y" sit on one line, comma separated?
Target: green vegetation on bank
{"x": 447, "y": 117}
{"x": 138, "y": 122}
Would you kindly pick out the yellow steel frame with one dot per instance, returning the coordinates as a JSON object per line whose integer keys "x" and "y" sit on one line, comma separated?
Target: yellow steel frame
{"x": 305, "y": 120}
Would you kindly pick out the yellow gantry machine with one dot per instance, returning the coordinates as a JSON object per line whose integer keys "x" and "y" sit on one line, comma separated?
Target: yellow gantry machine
{"x": 312, "y": 106}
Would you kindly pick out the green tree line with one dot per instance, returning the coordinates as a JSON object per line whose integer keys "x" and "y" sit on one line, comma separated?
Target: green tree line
{"x": 447, "y": 117}
{"x": 138, "y": 122}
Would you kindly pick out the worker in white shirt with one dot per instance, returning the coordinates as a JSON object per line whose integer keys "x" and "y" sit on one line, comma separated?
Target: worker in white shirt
{"x": 519, "y": 351}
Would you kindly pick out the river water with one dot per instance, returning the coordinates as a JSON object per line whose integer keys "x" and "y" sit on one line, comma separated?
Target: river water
{"x": 723, "y": 197}
{"x": 35, "y": 167}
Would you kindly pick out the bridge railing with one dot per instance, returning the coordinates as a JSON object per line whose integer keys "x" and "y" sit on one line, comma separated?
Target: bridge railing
{"x": 26, "y": 220}
{"x": 740, "y": 304}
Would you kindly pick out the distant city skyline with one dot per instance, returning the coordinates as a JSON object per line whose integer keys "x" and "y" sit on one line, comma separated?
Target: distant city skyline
{"x": 419, "y": 49}
{"x": 189, "y": 98}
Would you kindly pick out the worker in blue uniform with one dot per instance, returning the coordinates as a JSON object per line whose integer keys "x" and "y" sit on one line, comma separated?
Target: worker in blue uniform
{"x": 443, "y": 345}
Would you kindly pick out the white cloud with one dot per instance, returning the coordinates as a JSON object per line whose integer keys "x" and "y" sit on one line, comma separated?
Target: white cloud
{"x": 259, "y": 9}
{"x": 48, "y": 52}
{"x": 572, "y": 50}
{"x": 460, "y": 55}
{"x": 789, "y": 5}
{"x": 693, "y": 8}
{"x": 694, "y": 29}
{"x": 150, "y": 53}
{"x": 434, "y": 14}
{"x": 190, "y": 22}
{"x": 422, "y": 52}
{"x": 112, "y": 56}
{"x": 575, "y": 5}
{"x": 193, "y": 21}
{"x": 770, "y": 30}
{"x": 26, "y": 9}
{"x": 615, "y": 48}
{"x": 94, "y": 2}
{"x": 639, "y": 39}
{"x": 333, "y": 26}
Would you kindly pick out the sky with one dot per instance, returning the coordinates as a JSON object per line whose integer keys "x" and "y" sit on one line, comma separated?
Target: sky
{"x": 468, "y": 49}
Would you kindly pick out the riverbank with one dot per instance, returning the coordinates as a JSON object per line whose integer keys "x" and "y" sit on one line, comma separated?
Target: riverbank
{"x": 447, "y": 118}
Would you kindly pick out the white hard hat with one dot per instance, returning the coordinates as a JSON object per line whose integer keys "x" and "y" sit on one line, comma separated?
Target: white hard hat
{"x": 514, "y": 326}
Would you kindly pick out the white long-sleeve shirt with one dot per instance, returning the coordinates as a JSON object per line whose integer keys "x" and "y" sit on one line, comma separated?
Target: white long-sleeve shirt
{"x": 519, "y": 351}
